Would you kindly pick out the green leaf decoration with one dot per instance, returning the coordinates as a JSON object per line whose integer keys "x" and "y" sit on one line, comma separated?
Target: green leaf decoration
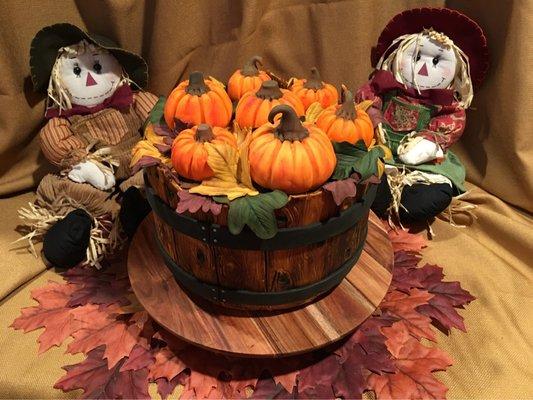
{"x": 257, "y": 212}
{"x": 156, "y": 114}
{"x": 356, "y": 158}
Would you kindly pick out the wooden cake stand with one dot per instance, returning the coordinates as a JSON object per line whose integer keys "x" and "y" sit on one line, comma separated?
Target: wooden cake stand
{"x": 261, "y": 333}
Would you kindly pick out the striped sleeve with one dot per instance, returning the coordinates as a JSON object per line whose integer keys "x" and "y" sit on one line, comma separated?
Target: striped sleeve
{"x": 143, "y": 103}
{"x": 58, "y": 143}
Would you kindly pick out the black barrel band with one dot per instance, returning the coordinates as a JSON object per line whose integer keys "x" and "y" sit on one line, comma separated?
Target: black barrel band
{"x": 246, "y": 297}
{"x": 286, "y": 238}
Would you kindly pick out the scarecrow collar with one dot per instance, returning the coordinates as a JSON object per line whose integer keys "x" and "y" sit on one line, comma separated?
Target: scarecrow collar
{"x": 384, "y": 81}
{"x": 121, "y": 100}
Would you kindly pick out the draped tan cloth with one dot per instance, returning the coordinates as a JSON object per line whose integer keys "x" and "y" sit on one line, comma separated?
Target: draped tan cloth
{"x": 492, "y": 258}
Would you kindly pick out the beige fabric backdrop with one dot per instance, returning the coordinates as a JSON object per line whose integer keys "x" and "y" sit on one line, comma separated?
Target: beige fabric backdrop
{"x": 216, "y": 36}
{"x": 492, "y": 258}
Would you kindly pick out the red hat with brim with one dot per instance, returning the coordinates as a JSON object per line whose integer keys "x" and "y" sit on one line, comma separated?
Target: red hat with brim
{"x": 464, "y": 32}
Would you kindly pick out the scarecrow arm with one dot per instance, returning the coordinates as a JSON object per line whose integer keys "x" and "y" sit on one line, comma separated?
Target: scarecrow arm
{"x": 446, "y": 128}
{"x": 143, "y": 102}
{"x": 59, "y": 145}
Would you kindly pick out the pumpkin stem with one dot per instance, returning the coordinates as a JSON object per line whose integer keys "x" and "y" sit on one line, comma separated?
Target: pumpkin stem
{"x": 347, "y": 109}
{"x": 197, "y": 86}
{"x": 251, "y": 67}
{"x": 290, "y": 127}
{"x": 269, "y": 90}
{"x": 204, "y": 133}
{"x": 315, "y": 82}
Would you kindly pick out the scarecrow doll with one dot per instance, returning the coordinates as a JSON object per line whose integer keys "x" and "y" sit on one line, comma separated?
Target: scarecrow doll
{"x": 93, "y": 116}
{"x": 427, "y": 62}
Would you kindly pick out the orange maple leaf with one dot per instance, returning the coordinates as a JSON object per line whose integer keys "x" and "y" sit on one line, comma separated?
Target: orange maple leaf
{"x": 118, "y": 336}
{"x": 403, "y": 240}
{"x": 167, "y": 365}
{"x": 415, "y": 364}
{"x": 53, "y": 314}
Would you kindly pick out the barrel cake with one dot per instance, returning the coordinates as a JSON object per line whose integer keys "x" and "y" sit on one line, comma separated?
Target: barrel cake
{"x": 269, "y": 215}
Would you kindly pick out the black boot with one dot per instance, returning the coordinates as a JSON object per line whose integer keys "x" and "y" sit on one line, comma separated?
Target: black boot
{"x": 65, "y": 243}
{"x": 421, "y": 202}
{"x": 134, "y": 208}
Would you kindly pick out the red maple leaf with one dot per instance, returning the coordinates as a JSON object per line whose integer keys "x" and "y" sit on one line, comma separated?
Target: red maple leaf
{"x": 403, "y": 306}
{"x": 415, "y": 364}
{"x": 100, "y": 382}
{"x": 403, "y": 240}
{"x": 139, "y": 358}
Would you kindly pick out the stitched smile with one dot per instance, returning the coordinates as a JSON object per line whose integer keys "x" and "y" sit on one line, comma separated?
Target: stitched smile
{"x": 424, "y": 86}
{"x": 96, "y": 97}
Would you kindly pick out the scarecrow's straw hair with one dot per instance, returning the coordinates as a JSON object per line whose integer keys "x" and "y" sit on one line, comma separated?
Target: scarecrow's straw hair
{"x": 461, "y": 84}
{"x": 58, "y": 94}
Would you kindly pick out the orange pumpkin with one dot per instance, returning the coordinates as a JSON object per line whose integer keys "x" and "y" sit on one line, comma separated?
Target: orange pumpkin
{"x": 290, "y": 156}
{"x": 248, "y": 78}
{"x": 253, "y": 108}
{"x": 189, "y": 156}
{"x": 313, "y": 89}
{"x": 344, "y": 123}
{"x": 197, "y": 101}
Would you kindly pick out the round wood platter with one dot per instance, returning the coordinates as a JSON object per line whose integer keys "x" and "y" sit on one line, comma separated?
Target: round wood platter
{"x": 261, "y": 333}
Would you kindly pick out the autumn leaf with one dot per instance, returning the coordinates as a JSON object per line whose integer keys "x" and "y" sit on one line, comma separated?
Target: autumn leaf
{"x": 156, "y": 116}
{"x": 403, "y": 306}
{"x": 364, "y": 105}
{"x": 243, "y": 167}
{"x": 100, "y": 382}
{"x": 138, "y": 358}
{"x": 403, "y": 240}
{"x": 167, "y": 365}
{"x": 257, "y": 212}
{"x": 118, "y": 336}
{"x": 356, "y": 159}
{"x": 415, "y": 363}
{"x": 312, "y": 113}
{"x": 223, "y": 159}
{"x": 53, "y": 314}
{"x": 192, "y": 203}
{"x": 342, "y": 189}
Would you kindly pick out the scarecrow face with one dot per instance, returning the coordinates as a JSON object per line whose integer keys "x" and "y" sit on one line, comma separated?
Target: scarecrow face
{"x": 90, "y": 76}
{"x": 431, "y": 66}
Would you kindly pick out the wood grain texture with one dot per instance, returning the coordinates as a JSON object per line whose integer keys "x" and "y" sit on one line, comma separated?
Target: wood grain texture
{"x": 261, "y": 271}
{"x": 261, "y": 333}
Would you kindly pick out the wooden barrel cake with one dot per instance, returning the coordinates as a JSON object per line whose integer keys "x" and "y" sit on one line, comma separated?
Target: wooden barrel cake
{"x": 317, "y": 244}
{"x": 279, "y": 238}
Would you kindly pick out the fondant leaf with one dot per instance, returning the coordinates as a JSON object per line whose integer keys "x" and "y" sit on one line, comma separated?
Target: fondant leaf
{"x": 313, "y": 112}
{"x": 257, "y": 212}
{"x": 223, "y": 160}
{"x": 342, "y": 189}
{"x": 356, "y": 159}
{"x": 156, "y": 116}
{"x": 192, "y": 203}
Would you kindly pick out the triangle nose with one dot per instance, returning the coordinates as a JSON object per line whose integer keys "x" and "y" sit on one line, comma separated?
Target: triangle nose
{"x": 423, "y": 71}
{"x": 90, "y": 80}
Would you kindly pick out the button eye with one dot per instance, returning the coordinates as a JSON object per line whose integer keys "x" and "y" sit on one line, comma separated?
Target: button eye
{"x": 97, "y": 67}
{"x": 436, "y": 60}
{"x": 76, "y": 70}
{"x": 417, "y": 57}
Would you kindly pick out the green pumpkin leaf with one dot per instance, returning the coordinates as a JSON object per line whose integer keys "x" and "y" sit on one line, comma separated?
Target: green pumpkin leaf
{"x": 157, "y": 113}
{"x": 356, "y": 159}
{"x": 257, "y": 212}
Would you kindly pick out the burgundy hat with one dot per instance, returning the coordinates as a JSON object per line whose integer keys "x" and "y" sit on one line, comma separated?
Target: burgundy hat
{"x": 464, "y": 32}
